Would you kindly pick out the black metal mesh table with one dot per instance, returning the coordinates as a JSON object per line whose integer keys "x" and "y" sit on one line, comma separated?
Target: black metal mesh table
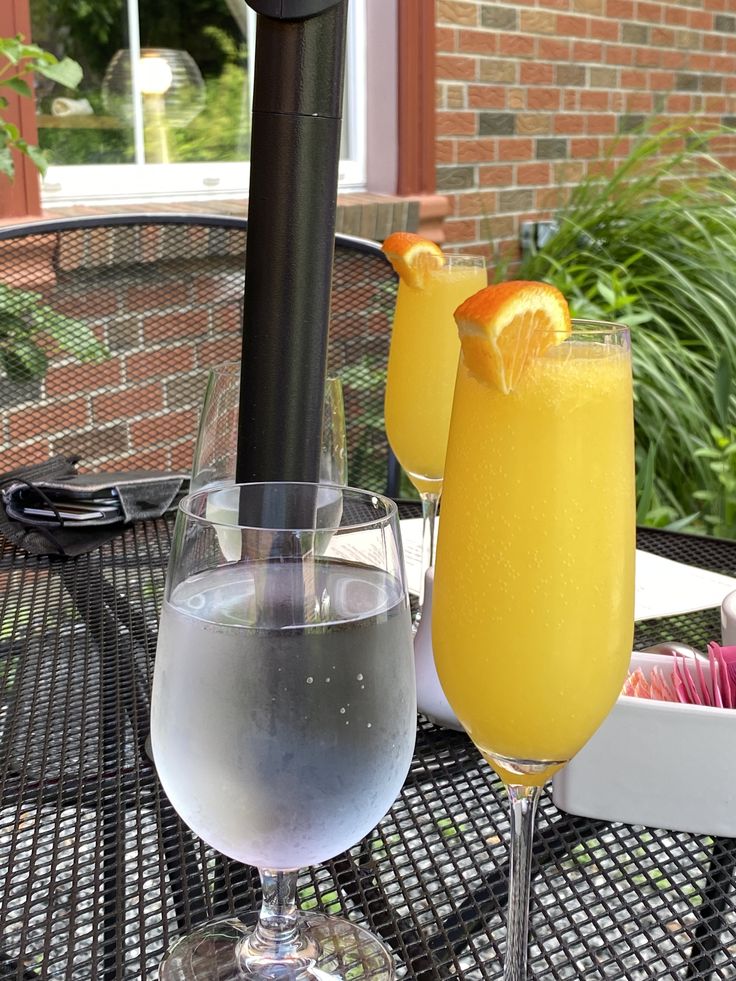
{"x": 99, "y": 875}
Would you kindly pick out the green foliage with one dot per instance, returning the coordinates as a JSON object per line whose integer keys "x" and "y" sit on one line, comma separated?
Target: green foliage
{"x": 23, "y": 314}
{"x": 651, "y": 241}
{"x": 23, "y": 318}
{"x": 94, "y": 23}
{"x": 18, "y": 62}
{"x": 222, "y": 130}
{"x": 719, "y": 500}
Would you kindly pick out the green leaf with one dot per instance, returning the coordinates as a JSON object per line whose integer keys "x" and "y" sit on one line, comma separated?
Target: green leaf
{"x": 607, "y": 293}
{"x": 10, "y": 48}
{"x": 18, "y": 85}
{"x": 645, "y": 484}
{"x": 24, "y": 361}
{"x": 71, "y": 335}
{"x": 66, "y": 72}
{"x": 722, "y": 388}
{"x": 6, "y": 162}
{"x": 10, "y": 324}
{"x": 37, "y": 157}
{"x": 682, "y": 523}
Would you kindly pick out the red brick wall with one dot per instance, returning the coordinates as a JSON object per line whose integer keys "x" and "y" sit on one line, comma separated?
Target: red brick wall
{"x": 166, "y": 301}
{"x": 164, "y": 322}
{"x": 532, "y": 93}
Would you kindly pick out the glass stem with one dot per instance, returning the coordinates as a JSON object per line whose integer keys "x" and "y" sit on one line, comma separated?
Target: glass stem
{"x": 276, "y": 934}
{"x": 523, "y": 802}
{"x": 430, "y": 506}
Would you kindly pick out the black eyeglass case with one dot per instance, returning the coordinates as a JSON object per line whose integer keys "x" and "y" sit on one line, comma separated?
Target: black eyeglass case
{"x": 50, "y": 508}
{"x": 94, "y": 499}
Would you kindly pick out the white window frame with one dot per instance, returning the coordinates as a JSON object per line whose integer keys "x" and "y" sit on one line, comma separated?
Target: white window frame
{"x": 139, "y": 182}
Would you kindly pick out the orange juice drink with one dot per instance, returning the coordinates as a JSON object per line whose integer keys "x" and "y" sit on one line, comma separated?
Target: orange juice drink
{"x": 534, "y": 585}
{"x": 422, "y": 366}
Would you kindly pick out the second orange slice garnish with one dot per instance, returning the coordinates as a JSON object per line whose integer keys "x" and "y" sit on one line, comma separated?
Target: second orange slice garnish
{"x": 412, "y": 257}
{"x": 502, "y": 327}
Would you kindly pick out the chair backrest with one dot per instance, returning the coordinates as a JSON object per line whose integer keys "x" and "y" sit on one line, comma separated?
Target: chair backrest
{"x": 163, "y": 293}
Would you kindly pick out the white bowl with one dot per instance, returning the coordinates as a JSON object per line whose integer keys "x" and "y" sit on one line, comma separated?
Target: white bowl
{"x": 431, "y": 699}
{"x": 659, "y": 764}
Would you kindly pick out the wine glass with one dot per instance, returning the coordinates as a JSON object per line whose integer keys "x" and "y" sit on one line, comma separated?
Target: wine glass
{"x": 420, "y": 381}
{"x": 533, "y": 606}
{"x": 283, "y": 713}
{"x": 215, "y": 449}
{"x": 216, "y": 445}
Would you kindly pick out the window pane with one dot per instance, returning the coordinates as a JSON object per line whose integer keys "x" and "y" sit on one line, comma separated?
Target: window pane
{"x": 183, "y": 100}
{"x": 74, "y": 126}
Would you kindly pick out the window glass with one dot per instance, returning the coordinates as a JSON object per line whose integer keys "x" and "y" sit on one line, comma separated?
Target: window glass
{"x": 164, "y": 82}
{"x": 163, "y": 109}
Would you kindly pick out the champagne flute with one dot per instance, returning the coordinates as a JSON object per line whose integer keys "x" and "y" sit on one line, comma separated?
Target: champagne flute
{"x": 283, "y": 713}
{"x": 534, "y": 585}
{"x": 216, "y": 445}
{"x": 420, "y": 381}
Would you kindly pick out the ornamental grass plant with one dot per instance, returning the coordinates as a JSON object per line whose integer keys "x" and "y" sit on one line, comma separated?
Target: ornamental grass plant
{"x": 650, "y": 240}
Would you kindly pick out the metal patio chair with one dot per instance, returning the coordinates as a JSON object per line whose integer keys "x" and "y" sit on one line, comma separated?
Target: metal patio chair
{"x": 163, "y": 293}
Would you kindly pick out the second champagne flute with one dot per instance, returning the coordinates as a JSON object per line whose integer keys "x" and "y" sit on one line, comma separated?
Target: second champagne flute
{"x": 422, "y": 366}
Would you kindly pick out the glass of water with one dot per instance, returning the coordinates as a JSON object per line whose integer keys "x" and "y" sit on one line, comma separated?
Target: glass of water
{"x": 283, "y": 711}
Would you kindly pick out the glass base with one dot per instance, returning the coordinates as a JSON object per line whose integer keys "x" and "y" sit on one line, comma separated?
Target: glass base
{"x": 333, "y": 950}
{"x": 528, "y": 773}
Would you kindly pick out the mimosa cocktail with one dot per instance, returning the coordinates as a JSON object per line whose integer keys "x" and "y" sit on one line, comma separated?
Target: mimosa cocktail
{"x": 422, "y": 365}
{"x": 533, "y": 605}
{"x": 537, "y": 551}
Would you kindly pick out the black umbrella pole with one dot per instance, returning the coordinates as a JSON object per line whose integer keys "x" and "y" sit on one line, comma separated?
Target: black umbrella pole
{"x": 295, "y": 148}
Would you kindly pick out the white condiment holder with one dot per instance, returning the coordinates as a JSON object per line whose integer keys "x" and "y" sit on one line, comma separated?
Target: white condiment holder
{"x": 660, "y": 764}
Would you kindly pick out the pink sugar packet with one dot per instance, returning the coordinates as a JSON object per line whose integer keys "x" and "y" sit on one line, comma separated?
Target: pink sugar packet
{"x": 689, "y": 684}
{"x": 655, "y": 686}
{"x": 725, "y": 658}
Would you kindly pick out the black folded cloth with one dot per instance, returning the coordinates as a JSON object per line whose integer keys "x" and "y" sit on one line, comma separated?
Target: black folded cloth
{"x": 55, "y": 488}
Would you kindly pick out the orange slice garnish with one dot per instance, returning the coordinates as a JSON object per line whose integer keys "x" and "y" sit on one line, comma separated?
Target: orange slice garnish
{"x": 412, "y": 257}
{"x": 503, "y": 327}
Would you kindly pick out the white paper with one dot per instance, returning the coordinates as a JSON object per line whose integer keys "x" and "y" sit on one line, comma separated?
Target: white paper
{"x": 663, "y": 587}
{"x": 411, "y": 540}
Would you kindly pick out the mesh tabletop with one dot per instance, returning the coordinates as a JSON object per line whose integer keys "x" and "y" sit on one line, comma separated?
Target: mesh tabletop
{"x": 99, "y": 874}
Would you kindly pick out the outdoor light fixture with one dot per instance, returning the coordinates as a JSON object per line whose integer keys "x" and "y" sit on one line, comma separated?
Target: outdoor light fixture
{"x": 155, "y": 74}
{"x": 170, "y": 87}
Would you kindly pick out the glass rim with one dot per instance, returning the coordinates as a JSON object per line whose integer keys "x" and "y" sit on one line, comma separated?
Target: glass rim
{"x": 390, "y": 508}
{"x": 588, "y": 325}
{"x": 583, "y": 327}
{"x": 471, "y": 258}
{"x": 235, "y": 364}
